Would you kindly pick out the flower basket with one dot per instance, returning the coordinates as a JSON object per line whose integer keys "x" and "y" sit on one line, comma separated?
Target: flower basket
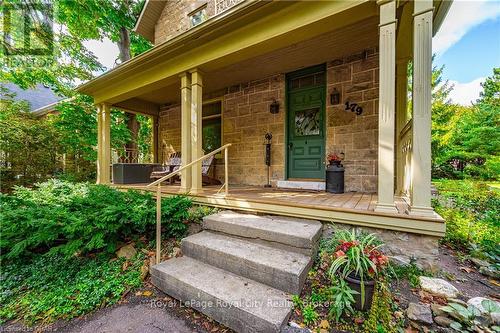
{"x": 358, "y": 261}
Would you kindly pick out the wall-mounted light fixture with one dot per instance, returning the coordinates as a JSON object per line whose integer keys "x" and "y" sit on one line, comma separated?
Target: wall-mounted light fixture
{"x": 274, "y": 107}
{"x": 335, "y": 97}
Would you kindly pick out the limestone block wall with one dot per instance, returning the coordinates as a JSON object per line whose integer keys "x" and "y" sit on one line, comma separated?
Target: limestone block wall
{"x": 246, "y": 119}
{"x": 174, "y": 19}
{"x": 169, "y": 131}
{"x": 356, "y": 79}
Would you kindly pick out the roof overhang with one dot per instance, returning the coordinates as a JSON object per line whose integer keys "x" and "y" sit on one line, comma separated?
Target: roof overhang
{"x": 151, "y": 12}
{"x": 237, "y": 34}
{"x": 240, "y": 32}
{"x": 442, "y": 8}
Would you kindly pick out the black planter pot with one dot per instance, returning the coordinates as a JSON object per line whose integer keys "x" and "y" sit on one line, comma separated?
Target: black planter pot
{"x": 355, "y": 284}
{"x": 335, "y": 177}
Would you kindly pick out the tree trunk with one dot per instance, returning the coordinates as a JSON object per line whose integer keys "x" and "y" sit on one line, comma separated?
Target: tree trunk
{"x": 132, "y": 123}
{"x": 124, "y": 45}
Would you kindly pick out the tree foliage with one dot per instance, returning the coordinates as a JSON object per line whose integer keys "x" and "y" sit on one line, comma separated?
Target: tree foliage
{"x": 75, "y": 126}
{"x": 28, "y": 146}
{"x": 466, "y": 140}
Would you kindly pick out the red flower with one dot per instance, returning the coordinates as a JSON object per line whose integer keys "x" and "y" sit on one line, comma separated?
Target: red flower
{"x": 339, "y": 254}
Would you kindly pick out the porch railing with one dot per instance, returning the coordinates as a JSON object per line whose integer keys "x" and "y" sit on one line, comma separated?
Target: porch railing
{"x": 128, "y": 155}
{"x": 158, "y": 182}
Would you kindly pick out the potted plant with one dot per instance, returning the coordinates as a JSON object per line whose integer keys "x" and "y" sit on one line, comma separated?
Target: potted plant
{"x": 358, "y": 260}
{"x": 333, "y": 159}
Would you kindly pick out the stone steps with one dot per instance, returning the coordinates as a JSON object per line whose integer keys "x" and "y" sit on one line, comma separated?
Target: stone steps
{"x": 239, "y": 303}
{"x": 293, "y": 234}
{"x": 241, "y": 269}
{"x": 275, "y": 267}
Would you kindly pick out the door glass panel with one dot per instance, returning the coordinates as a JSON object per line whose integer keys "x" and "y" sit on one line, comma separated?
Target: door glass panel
{"x": 307, "y": 122}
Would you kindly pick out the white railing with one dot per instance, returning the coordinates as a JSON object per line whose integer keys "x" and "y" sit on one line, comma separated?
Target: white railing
{"x": 128, "y": 155}
{"x": 405, "y": 146}
{"x": 178, "y": 171}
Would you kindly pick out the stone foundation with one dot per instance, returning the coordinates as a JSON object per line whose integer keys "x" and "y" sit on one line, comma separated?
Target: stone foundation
{"x": 403, "y": 248}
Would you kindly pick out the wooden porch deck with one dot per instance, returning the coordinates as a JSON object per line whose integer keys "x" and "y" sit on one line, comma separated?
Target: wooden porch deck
{"x": 351, "y": 207}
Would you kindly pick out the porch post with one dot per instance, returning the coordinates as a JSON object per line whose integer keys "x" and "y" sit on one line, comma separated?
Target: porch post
{"x": 196, "y": 128}
{"x": 155, "y": 149}
{"x": 386, "y": 119}
{"x": 103, "y": 144}
{"x": 421, "y": 136}
{"x": 401, "y": 109}
{"x": 186, "y": 130}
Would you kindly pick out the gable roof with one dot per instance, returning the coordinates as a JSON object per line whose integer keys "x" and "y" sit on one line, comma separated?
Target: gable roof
{"x": 38, "y": 98}
{"x": 151, "y": 12}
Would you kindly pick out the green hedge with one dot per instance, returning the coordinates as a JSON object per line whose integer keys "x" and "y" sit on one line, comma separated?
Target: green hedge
{"x": 71, "y": 218}
{"x": 471, "y": 210}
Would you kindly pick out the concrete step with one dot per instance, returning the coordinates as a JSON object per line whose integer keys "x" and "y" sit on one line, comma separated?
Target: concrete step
{"x": 236, "y": 302}
{"x": 281, "y": 269}
{"x": 293, "y": 234}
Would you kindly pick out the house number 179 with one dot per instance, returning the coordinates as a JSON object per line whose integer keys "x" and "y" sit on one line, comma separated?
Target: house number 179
{"x": 353, "y": 107}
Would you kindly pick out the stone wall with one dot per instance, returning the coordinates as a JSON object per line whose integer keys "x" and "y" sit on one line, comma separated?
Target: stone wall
{"x": 356, "y": 79}
{"x": 169, "y": 131}
{"x": 246, "y": 119}
{"x": 174, "y": 19}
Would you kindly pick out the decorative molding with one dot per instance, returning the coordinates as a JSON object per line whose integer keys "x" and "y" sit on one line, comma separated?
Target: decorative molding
{"x": 387, "y": 107}
{"x": 422, "y": 103}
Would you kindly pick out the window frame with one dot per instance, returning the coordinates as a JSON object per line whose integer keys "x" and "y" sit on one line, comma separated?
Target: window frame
{"x": 193, "y": 12}
{"x": 215, "y": 116}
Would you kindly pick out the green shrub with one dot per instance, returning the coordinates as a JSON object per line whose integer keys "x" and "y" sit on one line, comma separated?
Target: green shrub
{"x": 50, "y": 286}
{"x": 70, "y": 218}
{"x": 471, "y": 210}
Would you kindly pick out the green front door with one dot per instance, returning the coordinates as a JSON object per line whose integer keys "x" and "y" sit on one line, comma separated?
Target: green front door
{"x": 306, "y": 123}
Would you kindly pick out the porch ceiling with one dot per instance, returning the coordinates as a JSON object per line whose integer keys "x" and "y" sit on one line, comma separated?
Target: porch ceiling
{"x": 271, "y": 26}
{"x": 334, "y": 44}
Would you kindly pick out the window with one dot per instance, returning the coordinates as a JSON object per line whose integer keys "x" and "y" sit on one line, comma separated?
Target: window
{"x": 212, "y": 126}
{"x": 307, "y": 122}
{"x": 198, "y": 16}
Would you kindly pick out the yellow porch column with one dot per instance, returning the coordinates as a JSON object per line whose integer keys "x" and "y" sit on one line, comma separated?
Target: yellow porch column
{"x": 186, "y": 130}
{"x": 387, "y": 112}
{"x": 196, "y": 128}
{"x": 421, "y": 142}
{"x": 103, "y": 144}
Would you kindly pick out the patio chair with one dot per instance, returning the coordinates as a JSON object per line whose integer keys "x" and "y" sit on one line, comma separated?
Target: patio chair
{"x": 174, "y": 164}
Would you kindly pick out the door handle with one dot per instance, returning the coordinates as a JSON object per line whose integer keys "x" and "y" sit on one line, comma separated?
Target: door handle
{"x": 290, "y": 145}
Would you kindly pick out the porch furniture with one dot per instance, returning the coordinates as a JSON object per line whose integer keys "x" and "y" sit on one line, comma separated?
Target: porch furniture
{"x": 132, "y": 173}
{"x": 174, "y": 164}
{"x": 158, "y": 182}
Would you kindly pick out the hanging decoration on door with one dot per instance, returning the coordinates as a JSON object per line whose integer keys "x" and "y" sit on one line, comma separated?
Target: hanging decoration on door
{"x": 353, "y": 107}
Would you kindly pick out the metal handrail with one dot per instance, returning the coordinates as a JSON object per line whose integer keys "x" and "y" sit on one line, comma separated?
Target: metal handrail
{"x": 178, "y": 171}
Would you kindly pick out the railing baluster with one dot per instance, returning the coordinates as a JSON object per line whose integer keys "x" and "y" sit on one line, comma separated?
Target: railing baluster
{"x": 158, "y": 224}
